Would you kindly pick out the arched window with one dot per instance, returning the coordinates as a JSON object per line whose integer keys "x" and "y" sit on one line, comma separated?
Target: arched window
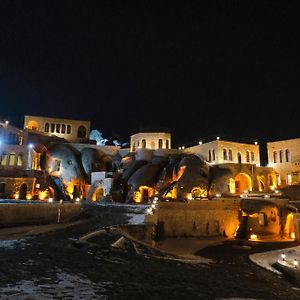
{"x": 52, "y": 127}
{"x": 69, "y": 129}
{"x": 167, "y": 144}
{"x": 247, "y": 157}
{"x": 213, "y": 154}
{"x": 20, "y": 160}
{"x": 281, "y": 156}
{"x": 224, "y": 154}
{"x": 81, "y": 132}
{"x": 209, "y": 155}
{"x": 143, "y": 143}
{"x": 63, "y": 128}
{"x": 275, "y": 157}
{"x": 160, "y": 143}
{"x": 3, "y": 159}
{"x": 12, "y": 159}
{"x": 239, "y": 158}
{"x": 47, "y": 127}
{"x": 252, "y": 157}
{"x": 230, "y": 154}
{"x": 287, "y": 155}
{"x": 57, "y": 128}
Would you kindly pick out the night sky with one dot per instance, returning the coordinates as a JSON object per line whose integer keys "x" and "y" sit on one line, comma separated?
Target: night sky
{"x": 194, "y": 69}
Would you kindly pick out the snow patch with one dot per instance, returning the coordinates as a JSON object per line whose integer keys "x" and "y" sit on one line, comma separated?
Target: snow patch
{"x": 136, "y": 219}
{"x": 12, "y": 244}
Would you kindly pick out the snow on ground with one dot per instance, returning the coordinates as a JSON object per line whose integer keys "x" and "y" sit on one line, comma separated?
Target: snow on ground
{"x": 136, "y": 219}
{"x": 66, "y": 286}
{"x": 12, "y": 244}
{"x": 267, "y": 259}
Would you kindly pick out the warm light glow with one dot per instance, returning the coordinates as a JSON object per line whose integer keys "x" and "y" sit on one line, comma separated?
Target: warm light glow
{"x": 283, "y": 256}
{"x": 43, "y": 194}
{"x": 28, "y": 196}
{"x": 255, "y": 143}
{"x": 218, "y": 195}
{"x": 189, "y": 196}
{"x": 200, "y": 142}
{"x": 295, "y": 263}
{"x": 50, "y": 200}
{"x": 292, "y": 235}
{"x": 16, "y": 195}
{"x": 218, "y": 137}
{"x": 77, "y": 199}
{"x": 6, "y": 122}
{"x": 253, "y": 237}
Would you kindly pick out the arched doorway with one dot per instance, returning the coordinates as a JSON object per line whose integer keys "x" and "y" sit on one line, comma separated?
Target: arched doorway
{"x": 243, "y": 183}
{"x": 81, "y": 133}
{"x": 23, "y": 191}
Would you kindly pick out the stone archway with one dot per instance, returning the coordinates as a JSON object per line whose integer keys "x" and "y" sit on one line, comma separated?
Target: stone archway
{"x": 243, "y": 183}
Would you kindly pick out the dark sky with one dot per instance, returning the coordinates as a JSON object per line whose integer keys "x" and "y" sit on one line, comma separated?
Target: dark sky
{"x": 194, "y": 69}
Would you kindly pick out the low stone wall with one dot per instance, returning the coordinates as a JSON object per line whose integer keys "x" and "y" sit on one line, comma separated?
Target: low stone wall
{"x": 196, "y": 218}
{"x": 42, "y": 213}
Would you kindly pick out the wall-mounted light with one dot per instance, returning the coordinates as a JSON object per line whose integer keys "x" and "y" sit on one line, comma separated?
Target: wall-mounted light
{"x": 218, "y": 137}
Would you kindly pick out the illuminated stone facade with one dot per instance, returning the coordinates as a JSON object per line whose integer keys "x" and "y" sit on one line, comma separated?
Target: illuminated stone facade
{"x": 10, "y": 134}
{"x": 284, "y": 157}
{"x": 220, "y": 152}
{"x": 70, "y": 130}
{"x": 150, "y": 140}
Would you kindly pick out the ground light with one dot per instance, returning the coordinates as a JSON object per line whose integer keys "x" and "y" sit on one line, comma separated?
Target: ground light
{"x": 253, "y": 237}
{"x": 77, "y": 199}
{"x": 295, "y": 263}
{"x": 50, "y": 200}
{"x": 283, "y": 256}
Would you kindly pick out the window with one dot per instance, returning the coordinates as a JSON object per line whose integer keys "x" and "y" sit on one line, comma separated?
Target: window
{"x": 213, "y": 154}
{"x": 281, "y": 156}
{"x": 275, "y": 157}
{"x": 143, "y": 143}
{"x": 287, "y": 155}
{"x": 209, "y": 155}
{"x": 230, "y": 154}
{"x": 81, "y": 132}
{"x": 57, "y": 128}
{"x": 239, "y": 158}
{"x": 160, "y": 143}
{"x": 20, "y": 160}
{"x": 167, "y": 144}
{"x": 224, "y": 154}
{"x": 252, "y": 157}
{"x": 52, "y": 127}
{"x": 3, "y": 159}
{"x": 247, "y": 157}
{"x": 63, "y": 128}
{"x": 12, "y": 159}
{"x": 47, "y": 127}
{"x": 68, "y": 129}
{"x": 57, "y": 164}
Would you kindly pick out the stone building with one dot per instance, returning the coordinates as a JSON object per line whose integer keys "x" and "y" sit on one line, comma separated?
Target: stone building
{"x": 70, "y": 130}
{"x": 284, "y": 158}
{"x": 150, "y": 140}
{"x": 10, "y": 134}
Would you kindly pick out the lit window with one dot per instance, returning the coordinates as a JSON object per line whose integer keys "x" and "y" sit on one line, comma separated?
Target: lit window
{"x": 12, "y": 159}
{"x": 252, "y": 157}
{"x": 20, "y": 160}
{"x": 3, "y": 159}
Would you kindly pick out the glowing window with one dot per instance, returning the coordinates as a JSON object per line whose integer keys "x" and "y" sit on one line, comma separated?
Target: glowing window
{"x": 12, "y": 159}
{"x": 230, "y": 154}
{"x": 247, "y": 157}
{"x": 252, "y": 157}
{"x": 20, "y": 160}
{"x": 3, "y": 159}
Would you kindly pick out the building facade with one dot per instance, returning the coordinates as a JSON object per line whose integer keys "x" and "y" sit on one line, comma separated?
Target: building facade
{"x": 70, "y": 130}
{"x": 284, "y": 158}
{"x": 150, "y": 140}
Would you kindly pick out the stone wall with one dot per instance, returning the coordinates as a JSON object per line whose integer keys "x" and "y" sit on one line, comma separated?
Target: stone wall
{"x": 41, "y": 213}
{"x": 151, "y": 140}
{"x": 197, "y": 218}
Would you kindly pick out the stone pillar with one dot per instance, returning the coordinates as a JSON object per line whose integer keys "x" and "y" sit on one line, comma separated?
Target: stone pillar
{"x": 297, "y": 226}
